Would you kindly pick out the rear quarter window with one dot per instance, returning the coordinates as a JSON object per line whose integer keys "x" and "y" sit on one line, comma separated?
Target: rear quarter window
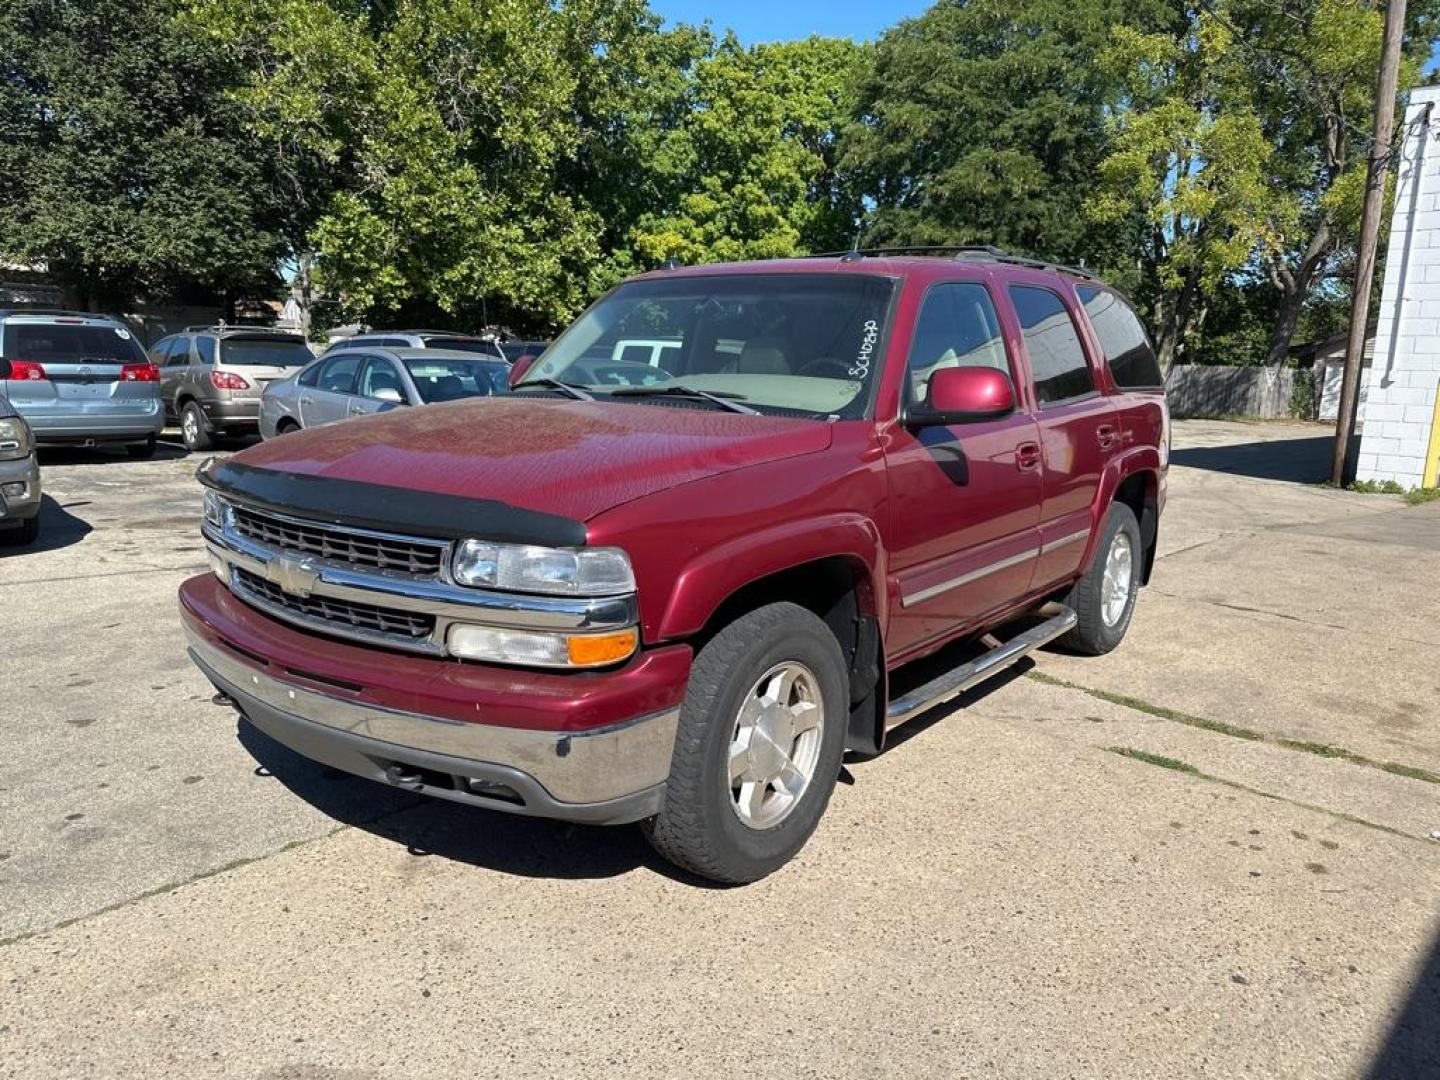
{"x": 1122, "y": 336}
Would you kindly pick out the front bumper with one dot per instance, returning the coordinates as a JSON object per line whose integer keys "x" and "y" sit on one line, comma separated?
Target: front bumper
{"x": 25, "y": 471}
{"x": 414, "y": 722}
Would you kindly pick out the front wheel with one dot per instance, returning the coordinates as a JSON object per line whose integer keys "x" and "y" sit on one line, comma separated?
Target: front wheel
{"x": 761, "y": 735}
{"x": 1104, "y": 599}
{"x": 27, "y": 533}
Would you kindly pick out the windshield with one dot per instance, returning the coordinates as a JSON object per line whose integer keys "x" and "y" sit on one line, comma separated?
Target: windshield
{"x": 448, "y": 378}
{"x": 265, "y": 352}
{"x": 58, "y": 343}
{"x": 790, "y": 342}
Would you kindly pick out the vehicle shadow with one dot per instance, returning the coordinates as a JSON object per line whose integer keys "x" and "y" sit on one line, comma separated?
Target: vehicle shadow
{"x": 1412, "y": 1048}
{"x": 1300, "y": 461}
{"x": 430, "y": 827}
{"x": 58, "y": 528}
{"x": 103, "y": 455}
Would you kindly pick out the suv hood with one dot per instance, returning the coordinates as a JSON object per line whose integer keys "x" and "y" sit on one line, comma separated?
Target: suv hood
{"x": 575, "y": 459}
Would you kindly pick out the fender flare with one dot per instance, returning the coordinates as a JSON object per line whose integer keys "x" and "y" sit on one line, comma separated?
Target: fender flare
{"x": 713, "y": 576}
{"x": 1138, "y": 459}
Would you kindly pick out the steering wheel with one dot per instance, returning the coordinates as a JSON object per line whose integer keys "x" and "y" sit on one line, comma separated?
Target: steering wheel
{"x": 826, "y": 367}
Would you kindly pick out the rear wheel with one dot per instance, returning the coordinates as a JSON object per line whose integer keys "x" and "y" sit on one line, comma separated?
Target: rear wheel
{"x": 192, "y": 427}
{"x": 1104, "y": 599}
{"x": 761, "y": 735}
{"x": 142, "y": 450}
{"x": 27, "y": 533}
{"x": 284, "y": 427}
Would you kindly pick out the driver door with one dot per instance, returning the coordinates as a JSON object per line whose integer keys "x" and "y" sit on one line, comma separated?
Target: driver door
{"x": 964, "y": 498}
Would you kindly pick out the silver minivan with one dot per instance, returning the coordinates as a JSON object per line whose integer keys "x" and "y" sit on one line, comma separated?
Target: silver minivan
{"x": 80, "y": 379}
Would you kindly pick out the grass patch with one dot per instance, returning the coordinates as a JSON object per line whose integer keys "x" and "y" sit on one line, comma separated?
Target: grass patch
{"x": 1376, "y": 487}
{"x": 1160, "y": 760}
{"x": 1418, "y": 496}
{"x": 1234, "y": 731}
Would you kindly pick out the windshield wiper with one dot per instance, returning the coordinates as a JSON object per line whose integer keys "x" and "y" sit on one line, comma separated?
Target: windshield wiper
{"x": 724, "y": 400}
{"x": 565, "y": 387}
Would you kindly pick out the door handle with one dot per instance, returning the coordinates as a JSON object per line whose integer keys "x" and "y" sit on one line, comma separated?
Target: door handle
{"x": 1027, "y": 456}
{"x": 1106, "y": 434}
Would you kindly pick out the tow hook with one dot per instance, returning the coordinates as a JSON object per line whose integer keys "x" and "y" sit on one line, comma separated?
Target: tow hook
{"x": 223, "y": 699}
{"x": 400, "y": 776}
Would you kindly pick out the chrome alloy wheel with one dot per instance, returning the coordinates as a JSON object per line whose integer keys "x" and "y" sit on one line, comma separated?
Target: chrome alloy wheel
{"x": 776, "y": 744}
{"x": 190, "y": 427}
{"x": 1119, "y": 572}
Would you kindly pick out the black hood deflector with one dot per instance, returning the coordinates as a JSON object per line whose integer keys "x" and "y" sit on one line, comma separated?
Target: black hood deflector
{"x": 390, "y": 509}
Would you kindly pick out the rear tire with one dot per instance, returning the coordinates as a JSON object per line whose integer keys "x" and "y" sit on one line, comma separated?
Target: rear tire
{"x": 756, "y": 756}
{"x": 193, "y": 429}
{"x": 285, "y": 427}
{"x": 142, "y": 451}
{"x": 1104, "y": 599}
{"x": 28, "y": 533}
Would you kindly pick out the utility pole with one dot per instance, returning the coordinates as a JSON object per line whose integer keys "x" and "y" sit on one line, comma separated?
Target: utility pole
{"x": 1369, "y": 235}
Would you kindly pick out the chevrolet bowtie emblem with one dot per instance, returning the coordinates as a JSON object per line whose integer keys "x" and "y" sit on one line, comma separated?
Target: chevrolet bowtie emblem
{"x": 294, "y": 576}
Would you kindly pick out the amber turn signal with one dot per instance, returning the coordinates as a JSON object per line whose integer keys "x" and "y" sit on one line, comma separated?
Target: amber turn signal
{"x": 592, "y": 650}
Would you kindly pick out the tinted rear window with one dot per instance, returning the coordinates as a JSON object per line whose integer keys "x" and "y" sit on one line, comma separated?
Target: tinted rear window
{"x": 1122, "y": 336}
{"x": 58, "y": 343}
{"x": 470, "y": 345}
{"x": 268, "y": 352}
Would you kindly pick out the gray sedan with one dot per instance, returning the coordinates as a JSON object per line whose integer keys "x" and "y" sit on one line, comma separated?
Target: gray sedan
{"x": 357, "y": 382}
{"x": 19, "y": 475}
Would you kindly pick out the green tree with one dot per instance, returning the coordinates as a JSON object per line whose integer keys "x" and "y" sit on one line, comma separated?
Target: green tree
{"x": 751, "y": 165}
{"x": 983, "y": 121}
{"x": 123, "y": 169}
{"x": 475, "y": 154}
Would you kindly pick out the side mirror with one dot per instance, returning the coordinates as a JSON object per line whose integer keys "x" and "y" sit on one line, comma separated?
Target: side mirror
{"x": 4, "y": 368}
{"x": 965, "y": 395}
{"x": 520, "y": 367}
{"x": 390, "y": 394}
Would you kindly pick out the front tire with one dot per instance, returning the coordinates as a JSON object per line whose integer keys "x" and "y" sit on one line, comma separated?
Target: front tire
{"x": 27, "y": 533}
{"x": 1104, "y": 599}
{"x": 193, "y": 429}
{"x": 758, "y": 749}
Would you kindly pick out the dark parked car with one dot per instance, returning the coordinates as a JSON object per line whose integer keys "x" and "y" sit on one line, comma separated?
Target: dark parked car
{"x": 674, "y": 591}
{"x": 357, "y": 382}
{"x": 19, "y": 475}
{"x": 421, "y": 339}
{"x": 211, "y": 377}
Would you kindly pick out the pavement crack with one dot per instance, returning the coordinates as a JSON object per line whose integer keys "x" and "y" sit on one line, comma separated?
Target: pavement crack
{"x": 132, "y": 571}
{"x": 1235, "y": 731}
{"x": 1248, "y": 610}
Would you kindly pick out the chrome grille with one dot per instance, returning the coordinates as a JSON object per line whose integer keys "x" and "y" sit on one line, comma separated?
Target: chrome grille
{"x": 346, "y": 617}
{"x": 370, "y": 550}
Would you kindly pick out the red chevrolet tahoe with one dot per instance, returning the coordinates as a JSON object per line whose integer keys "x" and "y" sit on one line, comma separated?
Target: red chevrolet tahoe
{"x": 673, "y": 577}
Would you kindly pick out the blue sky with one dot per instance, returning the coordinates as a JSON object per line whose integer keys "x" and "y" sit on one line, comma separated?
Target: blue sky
{"x": 782, "y": 20}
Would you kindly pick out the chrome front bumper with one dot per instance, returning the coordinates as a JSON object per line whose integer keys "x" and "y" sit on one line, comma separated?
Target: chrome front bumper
{"x": 606, "y": 776}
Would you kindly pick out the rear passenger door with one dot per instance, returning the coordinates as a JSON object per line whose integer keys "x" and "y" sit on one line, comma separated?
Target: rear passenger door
{"x": 329, "y": 399}
{"x": 1079, "y": 431}
{"x": 964, "y": 499}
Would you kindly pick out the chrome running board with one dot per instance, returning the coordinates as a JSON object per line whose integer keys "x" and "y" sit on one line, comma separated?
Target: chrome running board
{"x": 956, "y": 681}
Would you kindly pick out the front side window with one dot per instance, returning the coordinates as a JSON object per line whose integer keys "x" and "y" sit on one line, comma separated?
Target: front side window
{"x": 957, "y": 327}
{"x": 1122, "y": 336}
{"x": 808, "y": 344}
{"x": 448, "y": 378}
{"x": 1057, "y": 359}
{"x": 265, "y": 352}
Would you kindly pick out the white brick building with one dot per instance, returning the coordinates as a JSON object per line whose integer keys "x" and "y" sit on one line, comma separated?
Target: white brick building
{"x": 1400, "y": 440}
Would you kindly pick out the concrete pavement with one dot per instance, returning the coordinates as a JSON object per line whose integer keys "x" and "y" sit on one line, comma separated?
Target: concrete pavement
{"x": 1157, "y": 863}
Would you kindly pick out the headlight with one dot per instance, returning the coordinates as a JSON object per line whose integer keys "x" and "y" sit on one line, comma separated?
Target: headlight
{"x": 214, "y": 509}
{"x": 540, "y": 649}
{"x": 15, "y": 439}
{"x": 600, "y": 571}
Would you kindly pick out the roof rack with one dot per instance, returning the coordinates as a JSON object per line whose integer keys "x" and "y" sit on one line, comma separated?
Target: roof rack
{"x": 247, "y": 328}
{"x": 40, "y": 309}
{"x": 958, "y": 251}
